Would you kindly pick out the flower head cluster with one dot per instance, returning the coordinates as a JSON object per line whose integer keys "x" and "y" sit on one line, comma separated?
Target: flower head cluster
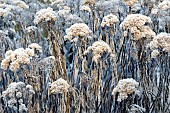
{"x": 130, "y": 3}
{"x": 135, "y": 20}
{"x": 15, "y": 94}
{"x": 59, "y": 86}
{"x": 144, "y": 31}
{"x": 14, "y": 59}
{"x": 109, "y": 20}
{"x": 78, "y": 29}
{"x": 136, "y": 24}
{"x": 164, "y": 5}
{"x": 45, "y": 15}
{"x": 98, "y": 49}
{"x": 162, "y": 40}
{"x": 125, "y": 87}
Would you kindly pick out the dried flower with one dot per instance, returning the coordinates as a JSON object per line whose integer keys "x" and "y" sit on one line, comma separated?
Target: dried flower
{"x": 29, "y": 51}
{"x": 98, "y": 49}
{"x": 125, "y": 87}
{"x": 78, "y": 29}
{"x": 59, "y": 86}
{"x": 135, "y": 20}
{"x": 164, "y": 5}
{"x": 45, "y": 15}
{"x": 109, "y": 20}
{"x": 142, "y": 32}
{"x": 161, "y": 40}
{"x": 14, "y": 59}
{"x": 14, "y": 92}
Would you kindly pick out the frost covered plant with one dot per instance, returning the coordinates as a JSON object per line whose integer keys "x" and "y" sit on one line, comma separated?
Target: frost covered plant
{"x": 136, "y": 24}
{"x": 162, "y": 40}
{"x": 45, "y": 15}
{"x": 31, "y": 29}
{"x": 3, "y": 12}
{"x": 56, "y": 2}
{"x": 20, "y": 4}
{"x": 136, "y": 109}
{"x": 125, "y": 87}
{"x": 89, "y": 2}
{"x": 14, "y": 59}
{"x": 164, "y": 5}
{"x": 35, "y": 47}
{"x": 59, "y": 86}
{"x": 109, "y": 20}
{"x": 154, "y": 53}
{"x": 63, "y": 12}
{"x": 78, "y": 29}
{"x": 98, "y": 48}
{"x": 144, "y": 31}
{"x": 47, "y": 62}
{"x": 85, "y": 8}
{"x": 130, "y": 3}
{"x": 135, "y": 20}
{"x": 154, "y": 11}
{"x": 17, "y": 95}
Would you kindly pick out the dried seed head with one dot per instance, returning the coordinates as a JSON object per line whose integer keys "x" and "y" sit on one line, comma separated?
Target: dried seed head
{"x": 161, "y": 40}
{"x": 109, "y": 20}
{"x": 125, "y": 87}
{"x": 59, "y": 86}
{"x": 45, "y": 15}
{"x": 164, "y": 5}
{"x": 78, "y": 29}
{"x": 98, "y": 49}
